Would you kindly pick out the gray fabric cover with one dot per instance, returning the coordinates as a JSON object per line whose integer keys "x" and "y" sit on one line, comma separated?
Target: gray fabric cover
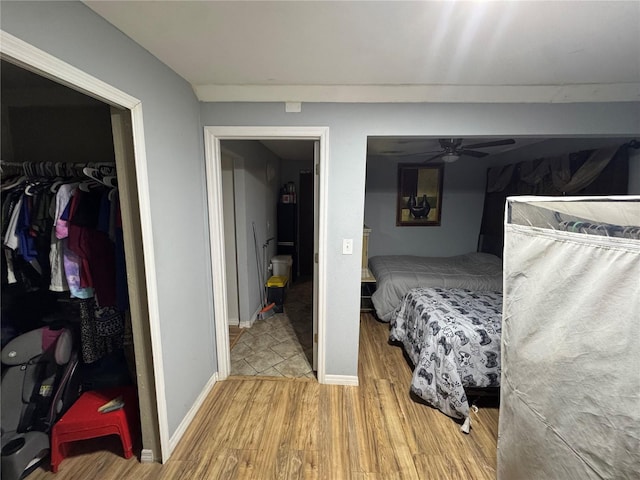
{"x": 570, "y": 388}
{"x": 397, "y": 274}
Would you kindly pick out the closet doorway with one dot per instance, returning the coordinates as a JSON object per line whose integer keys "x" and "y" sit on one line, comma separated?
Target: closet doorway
{"x": 28, "y": 136}
{"x": 215, "y": 138}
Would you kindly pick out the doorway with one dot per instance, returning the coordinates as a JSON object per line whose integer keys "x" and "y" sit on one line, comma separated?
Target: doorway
{"x": 275, "y": 237}
{"x": 213, "y": 155}
{"x": 128, "y": 127}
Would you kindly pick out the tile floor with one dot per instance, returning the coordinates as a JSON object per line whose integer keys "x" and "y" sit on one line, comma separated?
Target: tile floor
{"x": 280, "y": 346}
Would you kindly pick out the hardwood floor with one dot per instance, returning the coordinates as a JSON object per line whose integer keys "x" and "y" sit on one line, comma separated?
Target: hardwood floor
{"x": 264, "y": 428}
{"x": 234, "y": 335}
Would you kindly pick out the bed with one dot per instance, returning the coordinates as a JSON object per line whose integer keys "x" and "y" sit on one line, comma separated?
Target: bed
{"x": 452, "y": 337}
{"x": 397, "y": 274}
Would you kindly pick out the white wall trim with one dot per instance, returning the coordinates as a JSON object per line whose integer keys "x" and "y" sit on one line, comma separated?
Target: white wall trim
{"x": 45, "y": 64}
{"x": 590, "y": 93}
{"x": 186, "y": 421}
{"x": 21, "y": 53}
{"x": 213, "y": 168}
{"x": 349, "y": 380}
{"x": 213, "y": 135}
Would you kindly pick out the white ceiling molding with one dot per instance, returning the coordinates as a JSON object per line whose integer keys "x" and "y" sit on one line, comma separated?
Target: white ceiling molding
{"x": 393, "y": 51}
{"x": 624, "y": 92}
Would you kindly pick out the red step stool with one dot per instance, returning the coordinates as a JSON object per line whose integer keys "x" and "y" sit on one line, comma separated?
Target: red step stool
{"x": 83, "y": 421}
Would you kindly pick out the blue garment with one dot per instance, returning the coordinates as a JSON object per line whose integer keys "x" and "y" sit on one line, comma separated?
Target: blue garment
{"x": 103, "y": 214}
{"x": 26, "y": 243}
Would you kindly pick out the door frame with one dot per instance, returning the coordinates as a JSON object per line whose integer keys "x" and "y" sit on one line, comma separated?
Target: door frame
{"x": 212, "y": 137}
{"x": 42, "y": 63}
{"x": 231, "y": 257}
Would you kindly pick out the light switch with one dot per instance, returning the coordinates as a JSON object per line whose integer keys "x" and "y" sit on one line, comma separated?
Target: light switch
{"x": 347, "y": 246}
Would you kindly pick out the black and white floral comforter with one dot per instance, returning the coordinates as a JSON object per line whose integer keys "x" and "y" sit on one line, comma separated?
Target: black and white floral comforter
{"x": 452, "y": 336}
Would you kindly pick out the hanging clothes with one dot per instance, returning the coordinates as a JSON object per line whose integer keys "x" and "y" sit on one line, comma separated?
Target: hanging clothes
{"x": 61, "y": 238}
{"x": 93, "y": 246}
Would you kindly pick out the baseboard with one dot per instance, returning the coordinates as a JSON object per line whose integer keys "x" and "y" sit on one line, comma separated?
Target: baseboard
{"x": 247, "y": 324}
{"x": 147, "y": 456}
{"x": 186, "y": 421}
{"x": 253, "y": 318}
{"x": 351, "y": 380}
{"x": 233, "y": 322}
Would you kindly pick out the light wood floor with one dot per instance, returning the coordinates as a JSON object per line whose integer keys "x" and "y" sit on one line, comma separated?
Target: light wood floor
{"x": 234, "y": 335}
{"x": 266, "y": 428}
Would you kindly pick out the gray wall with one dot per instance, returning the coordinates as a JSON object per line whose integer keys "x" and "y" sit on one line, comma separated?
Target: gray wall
{"x": 255, "y": 200}
{"x": 350, "y": 124}
{"x": 174, "y": 146}
{"x": 462, "y": 202}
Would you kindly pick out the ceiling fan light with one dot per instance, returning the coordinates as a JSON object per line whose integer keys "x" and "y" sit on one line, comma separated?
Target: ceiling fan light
{"x": 450, "y": 157}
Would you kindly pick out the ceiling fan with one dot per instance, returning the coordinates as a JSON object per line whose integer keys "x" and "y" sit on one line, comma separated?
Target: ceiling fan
{"x": 453, "y": 149}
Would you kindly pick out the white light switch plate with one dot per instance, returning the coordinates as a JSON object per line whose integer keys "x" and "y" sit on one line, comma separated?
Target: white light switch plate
{"x": 347, "y": 246}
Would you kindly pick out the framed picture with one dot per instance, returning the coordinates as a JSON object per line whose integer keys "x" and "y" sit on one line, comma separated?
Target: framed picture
{"x": 419, "y": 195}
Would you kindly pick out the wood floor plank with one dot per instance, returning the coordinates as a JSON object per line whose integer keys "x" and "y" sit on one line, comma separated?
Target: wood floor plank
{"x": 255, "y": 411}
{"x": 270, "y": 440}
{"x": 435, "y": 466}
{"x": 305, "y": 426}
{"x": 362, "y": 457}
{"x": 334, "y": 462}
{"x": 247, "y": 465}
{"x": 215, "y": 412}
{"x": 263, "y": 428}
{"x": 310, "y": 466}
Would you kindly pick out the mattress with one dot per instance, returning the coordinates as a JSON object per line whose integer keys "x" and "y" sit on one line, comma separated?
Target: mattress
{"x": 397, "y": 274}
{"x": 452, "y": 336}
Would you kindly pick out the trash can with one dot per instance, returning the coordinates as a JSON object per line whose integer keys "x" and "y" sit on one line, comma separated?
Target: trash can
{"x": 282, "y": 266}
{"x": 275, "y": 291}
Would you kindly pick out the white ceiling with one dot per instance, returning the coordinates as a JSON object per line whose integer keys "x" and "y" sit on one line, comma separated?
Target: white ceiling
{"x": 492, "y": 51}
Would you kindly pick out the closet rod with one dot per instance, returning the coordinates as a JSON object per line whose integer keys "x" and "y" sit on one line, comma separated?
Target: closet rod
{"x": 20, "y": 164}
{"x": 53, "y": 169}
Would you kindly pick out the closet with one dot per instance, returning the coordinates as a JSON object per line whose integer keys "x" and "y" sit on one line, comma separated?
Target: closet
{"x": 64, "y": 233}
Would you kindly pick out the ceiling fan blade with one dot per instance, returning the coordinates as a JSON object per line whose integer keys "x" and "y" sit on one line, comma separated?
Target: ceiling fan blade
{"x": 495, "y": 143}
{"x": 473, "y": 153}
{"x": 411, "y": 154}
{"x": 435, "y": 157}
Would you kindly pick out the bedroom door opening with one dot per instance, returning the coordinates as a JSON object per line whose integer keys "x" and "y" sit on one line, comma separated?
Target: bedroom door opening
{"x": 252, "y": 174}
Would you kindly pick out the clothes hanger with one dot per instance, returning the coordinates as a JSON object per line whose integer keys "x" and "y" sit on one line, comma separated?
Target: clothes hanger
{"x": 106, "y": 169}
{"x": 55, "y": 186}
{"x": 110, "y": 181}
{"x": 30, "y": 189}
{"x": 88, "y": 185}
{"x": 13, "y": 183}
{"x": 97, "y": 175}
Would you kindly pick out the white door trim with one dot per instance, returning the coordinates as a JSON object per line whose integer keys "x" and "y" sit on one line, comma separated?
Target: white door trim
{"x": 22, "y": 53}
{"x": 212, "y": 137}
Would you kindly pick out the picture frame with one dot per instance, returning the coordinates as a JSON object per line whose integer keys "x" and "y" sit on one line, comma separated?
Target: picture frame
{"x": 419, "y": 199}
